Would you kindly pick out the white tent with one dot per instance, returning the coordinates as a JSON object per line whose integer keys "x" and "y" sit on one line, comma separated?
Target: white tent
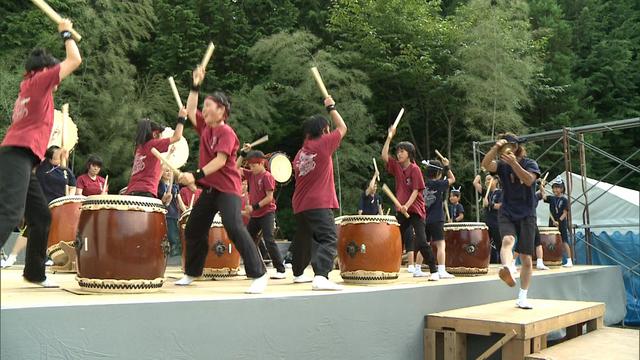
{"x": 613, "y": 205}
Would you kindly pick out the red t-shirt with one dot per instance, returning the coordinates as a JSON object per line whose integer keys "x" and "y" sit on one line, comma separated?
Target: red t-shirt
{"x": 32, "y": 118}
{"x": 223, "y": 139}
{"x": 186, "y": 193}
{"x": 90, "y": 186}
{"x": 407, "y": 180}
{"x": 313, "y": 168}
{"x": 258, "y": 187}
{"x": 147, "y": 170}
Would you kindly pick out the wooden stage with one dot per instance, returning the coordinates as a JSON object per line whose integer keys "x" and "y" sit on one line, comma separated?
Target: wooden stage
{"x": 215, "y": 319}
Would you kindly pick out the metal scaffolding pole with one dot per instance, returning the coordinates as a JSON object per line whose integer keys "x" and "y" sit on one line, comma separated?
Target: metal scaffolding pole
{"x": 475, "y": 171}
{"x": 569, "y": 172}
{"x": 585, "y": 214}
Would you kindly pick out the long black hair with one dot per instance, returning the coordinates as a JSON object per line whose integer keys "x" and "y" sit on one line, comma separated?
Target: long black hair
{"x": 314, "y": 126}
{"x": 146, "y": 127}
{"x": 39, "y": 59}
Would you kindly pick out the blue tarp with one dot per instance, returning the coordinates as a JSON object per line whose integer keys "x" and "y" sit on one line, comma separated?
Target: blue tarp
{"x": 625, "y": 249}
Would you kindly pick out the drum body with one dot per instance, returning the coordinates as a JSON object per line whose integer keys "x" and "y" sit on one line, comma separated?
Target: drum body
{"x": 551, "y": 242}
{"x": 223, "y": 259}
{"x": 122, "y": 244}
{"x": 369, "y": 248}
{"x": 468, "y": 248}
{"x": 65, "y": 215}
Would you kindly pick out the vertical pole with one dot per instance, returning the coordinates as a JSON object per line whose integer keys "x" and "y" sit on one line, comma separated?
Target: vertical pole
{"x": 475, "y": 171}
{"x": 569, "y": 172}
{"x": 585, "y": 215}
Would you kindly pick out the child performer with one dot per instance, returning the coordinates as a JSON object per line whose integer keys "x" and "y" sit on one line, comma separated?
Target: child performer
{"x": 314, "y": 199}
{"x": 409, "y": 187}
{"x": 517, "y": 215}
{"x": 91, "y": 183}
{"x": 491, "y": 206}
{"x": 262, "y": 205}
{"x": 456, "y": 210}
{"x": 221, "y": 182}
{"x": 558, "y": 208}
{"x": 436, "y": 186}
{"x": 370, "y": 202}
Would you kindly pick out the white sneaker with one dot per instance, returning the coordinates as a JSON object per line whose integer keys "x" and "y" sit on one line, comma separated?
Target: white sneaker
{"x": 302, "y": 279}
{"x": 420, "y": 273}
{"x": 568, "y": 264}
{"x": 435, "y": 276}
{"x": 524, "y": 304}
{"x": 411, "y": 269}
{"x": 288, "y": 265}
{"x": 445, "y": 275}
{"x": 11, "y": 259}
{"x": 186, "y": 280}
{"x": 48, "y": 262}
{"x": 47, "y": 283}
{"x": 541, "y": 266}
{"x": 278, "y": 275}
{"x": 258, "y": 285}
{"x": 322, "y": 283}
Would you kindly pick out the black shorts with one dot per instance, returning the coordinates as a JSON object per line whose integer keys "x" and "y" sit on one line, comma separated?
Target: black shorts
{"x": 524, "y": 230}
{"x": 536, "y": 241}
{"x": 435, "y": 231}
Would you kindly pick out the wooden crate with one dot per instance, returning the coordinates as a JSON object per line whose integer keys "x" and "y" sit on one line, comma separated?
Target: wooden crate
{"x": 524, "y": 331}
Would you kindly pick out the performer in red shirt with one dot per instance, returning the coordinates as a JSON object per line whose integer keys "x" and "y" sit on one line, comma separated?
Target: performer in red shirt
{"x": 220, "y": 179}
{"x": 23, "y": 148}
{"x": 147, "y": 170}
{"x": 91, "y": 183}
{"x": 409, "y": 187}
{"x": 314, "y": 199}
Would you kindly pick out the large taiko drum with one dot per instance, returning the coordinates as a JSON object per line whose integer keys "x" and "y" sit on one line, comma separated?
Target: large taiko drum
{"x": 122, "y": 244}
{"x": 369, "y": 248}
{"x": 65, "y": 214}
{"x": 223, "y": 259}
{"x": 468, "y": 248}
{"x": 551, "y": 242}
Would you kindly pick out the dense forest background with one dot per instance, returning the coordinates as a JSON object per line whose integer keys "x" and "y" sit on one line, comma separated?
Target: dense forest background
{"x": 463, "y": 70}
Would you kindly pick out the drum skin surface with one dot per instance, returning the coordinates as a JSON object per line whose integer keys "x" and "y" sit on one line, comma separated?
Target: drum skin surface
{"x": 223, "y": 259}
{"x": 468, "y": 249}
{"x": 369, "y": 248}
{"x": 122, "y": 244}
{"x": 551, "y": 242}
{"x": 65, "y": 215}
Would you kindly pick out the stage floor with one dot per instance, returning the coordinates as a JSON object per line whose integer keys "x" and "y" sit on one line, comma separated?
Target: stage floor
{"x": 216, "y": 320}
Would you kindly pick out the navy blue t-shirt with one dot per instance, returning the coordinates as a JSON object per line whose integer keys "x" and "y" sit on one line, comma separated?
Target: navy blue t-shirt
{"x": 557, "y": 205}
{"x": 455, "y": 210}
{"x": 172, "y": 209}
{"x": 491, "y": 214}
{"x": 52, "y": 180}
{"x": 433, "y": 199}
{"x": 369, "y": 204}
{"x": 518, "y": 200}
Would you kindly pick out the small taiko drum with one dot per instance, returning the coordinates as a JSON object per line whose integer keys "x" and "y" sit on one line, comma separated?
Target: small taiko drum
{"x": 369, "y": 248}
{"x": 223, "y": 259}
{"x": 551, "y": 242}
{"x": 468, "y": 248}
{"x": 122, "y": 244}
{"x": 65, "y": 214}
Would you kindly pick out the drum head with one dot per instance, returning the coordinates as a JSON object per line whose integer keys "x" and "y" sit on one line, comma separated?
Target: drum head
{"x": 63, "y": 130}
{"x": 178, "y": 152}
{"x": 280, "y": 167}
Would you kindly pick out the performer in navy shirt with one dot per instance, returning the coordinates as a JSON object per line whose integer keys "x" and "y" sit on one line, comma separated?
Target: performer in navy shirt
{"x": 370, "y": 202}
{"x": 559, "y": 210}
{"x": 517, "y": 216}
{"x": 54, "y": 177}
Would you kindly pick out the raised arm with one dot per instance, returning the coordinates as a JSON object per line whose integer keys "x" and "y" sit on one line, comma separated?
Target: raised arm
{"x": 387, "y": 143}
{"x": 477, "y": 185}
{"x": 192, "y": 100}
{"x": 450, "y": 177}
{"x": 240, "y": 158}
{"x": 489, "y": 161}
{"x": 335, "y": 116}
{"x": 177, "y": 134}
{"x": 73, "y": 59}
{"x": 372, "y": 183}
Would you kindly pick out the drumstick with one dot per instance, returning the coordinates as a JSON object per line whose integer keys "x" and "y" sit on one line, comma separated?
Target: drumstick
{"x": 375, "y": 166}
{"x": 262, "y": 140}
{"x": 319, "y": 81}
{"x": 65, "y": 115}
{"x": 54, "y": 16}
{"x": 486, "y": 196}
{"x": 388, "y": 210}
{"x": 446, "y": 210}
{"x": 439, "y": 155}
{"x": 165, "y": 162}
{"x": 395, "y": 123}
{"x": 175, "y": 92}
{"x": 193, "y": 197}
{"x": 104, "y": 186}
{"x": 393, "y": 198}
{"x": 544, "y": 179}
{"x": 207, "y": 56}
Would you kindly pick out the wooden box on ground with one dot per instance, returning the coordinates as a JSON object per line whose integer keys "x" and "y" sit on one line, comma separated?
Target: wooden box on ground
{"x": 525, "y": 331}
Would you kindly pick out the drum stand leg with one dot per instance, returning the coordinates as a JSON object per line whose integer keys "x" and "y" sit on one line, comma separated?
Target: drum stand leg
{"x": 70, "y": 265}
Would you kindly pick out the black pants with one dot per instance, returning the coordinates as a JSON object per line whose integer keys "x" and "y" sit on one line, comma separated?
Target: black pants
{"x": 197, "y": 233}
{"x": 141, "y": 193}
{"x": 421, "y": 245}
{"x": 21, "y": 195}
{"x": 315, "y": 241}
{"x": 265, "y": 224}
{"x": 496, "y": 243}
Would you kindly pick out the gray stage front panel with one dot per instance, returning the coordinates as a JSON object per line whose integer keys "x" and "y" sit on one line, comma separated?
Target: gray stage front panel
{"x": 385, "y": 324}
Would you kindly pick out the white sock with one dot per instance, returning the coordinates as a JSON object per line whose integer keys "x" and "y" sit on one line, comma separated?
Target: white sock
{"x": 569, "y": 262}
{"x": 539, "y": 262}
{"x": 513, "y": 263}
{"x": 523, "y": 294}
{"x": 442, "y": 268}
